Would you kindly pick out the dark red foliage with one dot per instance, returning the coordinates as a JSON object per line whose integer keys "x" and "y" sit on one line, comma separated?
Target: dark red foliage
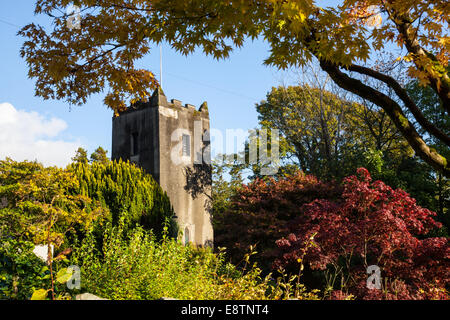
{"x": 261, "y": 211}
{"x": 371, "y": 224}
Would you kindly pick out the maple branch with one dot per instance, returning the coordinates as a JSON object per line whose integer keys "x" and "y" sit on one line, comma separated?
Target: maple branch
{"x": 101, "y": 55}
{"x": 393, "y": 110}
{"x": 408, "y": 102}
{"x": 440, "y": 84}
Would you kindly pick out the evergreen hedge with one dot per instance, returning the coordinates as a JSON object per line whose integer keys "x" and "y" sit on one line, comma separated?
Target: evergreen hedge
{"x": 128, "y": 192}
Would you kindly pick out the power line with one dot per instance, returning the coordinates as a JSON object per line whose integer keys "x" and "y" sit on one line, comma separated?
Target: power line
{"x": 171, "y": 74}
{"x": 9, "y": 23}
{"x": 213, "y": 87}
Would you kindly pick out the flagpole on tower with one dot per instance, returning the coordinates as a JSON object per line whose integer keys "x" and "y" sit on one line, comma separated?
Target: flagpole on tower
{"x": 160, "y": 66}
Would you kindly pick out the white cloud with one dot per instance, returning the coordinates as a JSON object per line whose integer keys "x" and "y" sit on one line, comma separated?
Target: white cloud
{"x": 30, "y": 136}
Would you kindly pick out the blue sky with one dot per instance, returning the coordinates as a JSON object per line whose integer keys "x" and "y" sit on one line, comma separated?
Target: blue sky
{"x": 231, "y": 87}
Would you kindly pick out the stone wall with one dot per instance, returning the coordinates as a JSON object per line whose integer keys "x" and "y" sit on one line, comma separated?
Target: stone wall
{"x": 188, "y": 185}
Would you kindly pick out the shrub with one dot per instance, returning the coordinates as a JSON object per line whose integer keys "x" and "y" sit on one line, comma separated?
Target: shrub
{"x": 371, "y": 225}
{"x": 59, "y": 207}
{"x": 20, "y": 270}
{"x": 137, "y": 266}
{"x": 261, "y": 211}
{"x": 37, "y": 208}
{"x": 127, "y": 191}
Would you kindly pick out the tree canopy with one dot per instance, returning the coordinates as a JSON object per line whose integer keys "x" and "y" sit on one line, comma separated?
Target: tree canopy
{"x": 371, "y": 224}
{"x": 72, "y": 64}
{"x": 100, "y": 155}
{"x": 325, "y": 132}
{"x": 38, "y": 197}
{"x": 80, "y": 156}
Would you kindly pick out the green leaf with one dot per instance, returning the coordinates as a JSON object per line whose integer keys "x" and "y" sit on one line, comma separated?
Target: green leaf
{"x": 64, "y": 275}
{"x": 40, "y": 294}
{"x": 44, "y": 269}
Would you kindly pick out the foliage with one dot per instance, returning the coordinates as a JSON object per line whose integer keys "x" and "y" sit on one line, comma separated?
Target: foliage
{"x": 261, "y": 211}
{"x": 21, "y": 272}
{"x": 222, "y": 188}
{"x": 73, "y": 64}
{"x": 80, "y": 156}
{"x": 309, "y": 120}
{"x": 421, "y": 182}
{"x": 127, "y": 191}
{"x": 58, "y": 208}
{"x": 431, "y": 105}
{"x": 326, "y": 133}
{"x": 313, "y": 120}
{"x": 373, "y": 224}
{"x": 99, "y": 155}
{"x": 137, "y": 266}
{"x": 41, "y": 209}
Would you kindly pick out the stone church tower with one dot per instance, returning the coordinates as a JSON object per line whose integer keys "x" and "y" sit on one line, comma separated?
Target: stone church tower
{"x": 171, "y": 142}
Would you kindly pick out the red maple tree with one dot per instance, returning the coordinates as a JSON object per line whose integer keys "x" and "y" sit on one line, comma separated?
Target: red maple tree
{"x": 371, "y": 224}
{"x": 261, "y": 212}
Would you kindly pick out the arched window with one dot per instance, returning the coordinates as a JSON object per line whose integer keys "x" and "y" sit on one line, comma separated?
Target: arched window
{"x": 186, "y": 236}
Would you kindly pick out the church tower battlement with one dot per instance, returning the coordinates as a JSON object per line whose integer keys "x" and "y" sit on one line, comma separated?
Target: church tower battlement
{"x": 171, "y": 142}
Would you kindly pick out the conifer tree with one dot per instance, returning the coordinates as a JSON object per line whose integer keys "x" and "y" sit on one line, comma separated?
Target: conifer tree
{"x": 99, "y": 155}
{"x": 80, "y": 156}
{"x": 131, "y": 195}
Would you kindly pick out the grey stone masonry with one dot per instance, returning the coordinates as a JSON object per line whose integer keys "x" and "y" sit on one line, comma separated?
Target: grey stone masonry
{"x": 171, "y": 142}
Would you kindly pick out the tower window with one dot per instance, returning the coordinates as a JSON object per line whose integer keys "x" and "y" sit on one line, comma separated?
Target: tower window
{"x": 186, "y": 145}
{"x": 134, "y": 143}
{"x": 186, "y": 236}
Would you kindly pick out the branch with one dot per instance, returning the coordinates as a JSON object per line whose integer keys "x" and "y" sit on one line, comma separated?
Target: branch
{"x": 440, "y": 84}
{"x": 403, "y": 95}
{"x": 393, "y": 110}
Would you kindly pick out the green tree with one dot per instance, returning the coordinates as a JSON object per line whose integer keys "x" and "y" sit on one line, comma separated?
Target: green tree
{"x": 80, "y": 156}
{"x": 432, "y": 109}
{"x": 226, "y": 179}
{"x": 328, "y": 136}
{"x": 431, "y": 105}
{"x": 41, "y": 210}
{"x": 131, "y": 195}
{"x": 99, "y": 155}
{"x": 313, "y": 122}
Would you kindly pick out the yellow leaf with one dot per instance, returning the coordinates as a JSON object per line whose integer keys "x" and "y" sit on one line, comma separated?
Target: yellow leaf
{"x": 64, "y": 275}
{"x": 40, "y": 294}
